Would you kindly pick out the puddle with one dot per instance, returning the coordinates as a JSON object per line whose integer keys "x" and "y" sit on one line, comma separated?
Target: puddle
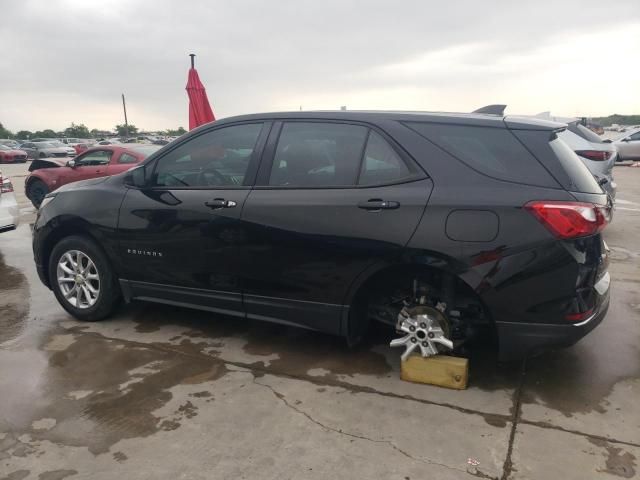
{"x": 14, "y": 301}
{"x": 579, "y": 379}
{"x": 112, "y": 407}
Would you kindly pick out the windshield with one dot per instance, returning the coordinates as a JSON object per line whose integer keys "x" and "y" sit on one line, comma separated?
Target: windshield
{"x": 46, "y": 144}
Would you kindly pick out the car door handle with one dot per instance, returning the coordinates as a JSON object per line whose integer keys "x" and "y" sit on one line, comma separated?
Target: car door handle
{"x": 217, "y": 203}
{"x": 376, "y": 204}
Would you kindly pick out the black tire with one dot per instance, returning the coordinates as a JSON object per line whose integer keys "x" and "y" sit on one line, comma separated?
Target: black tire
{"x": 42, "y": 155}
{"x": 109, "y": 295}
{"x": 36, "y": 190}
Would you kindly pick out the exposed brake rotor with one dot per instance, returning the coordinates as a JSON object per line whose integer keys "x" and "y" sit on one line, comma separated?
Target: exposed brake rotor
{"x": 426, "y": 328}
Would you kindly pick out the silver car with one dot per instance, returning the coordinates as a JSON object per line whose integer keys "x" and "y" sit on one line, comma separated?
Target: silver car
{"x": 628, "y": 145}
{"x": 598, "y": 156}
{"x": 47, "y": 149}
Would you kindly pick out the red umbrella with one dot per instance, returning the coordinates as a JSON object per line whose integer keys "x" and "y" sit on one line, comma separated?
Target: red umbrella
{"x": 199, "y": 109}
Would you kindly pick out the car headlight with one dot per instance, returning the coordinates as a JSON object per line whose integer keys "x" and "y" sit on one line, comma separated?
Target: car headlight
{"x": 47, "y": 200}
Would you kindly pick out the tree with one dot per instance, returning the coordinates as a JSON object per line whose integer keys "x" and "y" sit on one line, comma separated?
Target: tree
{"x": 125, "y": 131}
{"x": 176, "y": 133}
{"x": 79, "y": 131}
{"x": 48, "y": 133}
{"x": 4, "y": 133}
{"x": 24, "y": 134}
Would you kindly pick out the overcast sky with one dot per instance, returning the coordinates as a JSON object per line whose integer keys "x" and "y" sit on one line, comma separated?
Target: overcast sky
{"x": 69, "y": 60}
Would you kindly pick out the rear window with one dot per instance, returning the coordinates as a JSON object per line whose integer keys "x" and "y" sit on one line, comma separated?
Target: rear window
{"x": 581, "y": 177}
{"x": 494, "y": 152}
{"x": 585, "y": 133}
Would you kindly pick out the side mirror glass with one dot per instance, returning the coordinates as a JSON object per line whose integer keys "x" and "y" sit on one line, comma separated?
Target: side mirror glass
{"x": 71, "y": 163}
{"x": 136, "y": 177}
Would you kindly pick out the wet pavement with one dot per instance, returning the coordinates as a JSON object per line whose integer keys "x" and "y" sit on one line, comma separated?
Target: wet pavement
{"x": 163, "y": 392}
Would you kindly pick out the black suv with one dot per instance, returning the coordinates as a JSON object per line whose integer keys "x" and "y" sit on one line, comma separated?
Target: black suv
{"x": 439, "y": 224}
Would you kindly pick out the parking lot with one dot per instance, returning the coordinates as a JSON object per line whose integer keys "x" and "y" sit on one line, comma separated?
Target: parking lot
{"x": 163, "y": 392}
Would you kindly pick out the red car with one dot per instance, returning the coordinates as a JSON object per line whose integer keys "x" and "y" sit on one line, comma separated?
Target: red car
{"x": 12, "y": 155}
{"x": 47, "y": 174}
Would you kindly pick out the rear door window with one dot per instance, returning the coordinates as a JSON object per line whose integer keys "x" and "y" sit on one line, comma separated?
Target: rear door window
{"x": 494, "y": 152}
{"x": 316, "y": 154}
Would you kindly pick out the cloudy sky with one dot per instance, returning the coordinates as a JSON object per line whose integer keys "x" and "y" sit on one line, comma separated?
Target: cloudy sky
{"x": 69, "y": 60}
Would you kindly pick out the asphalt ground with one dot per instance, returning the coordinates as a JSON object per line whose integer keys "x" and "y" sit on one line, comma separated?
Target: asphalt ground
{"x": 161, "y": 392}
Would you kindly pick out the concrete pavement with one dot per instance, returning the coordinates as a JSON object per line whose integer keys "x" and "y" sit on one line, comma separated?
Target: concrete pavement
{"x": 161, "y": 392}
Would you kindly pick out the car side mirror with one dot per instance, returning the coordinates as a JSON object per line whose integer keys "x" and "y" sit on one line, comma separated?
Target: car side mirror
{"x": 136, "y": 177}
{"x": 71, "y": 164}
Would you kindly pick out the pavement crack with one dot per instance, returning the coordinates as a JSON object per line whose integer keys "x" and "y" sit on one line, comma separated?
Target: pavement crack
{"x": 406, "y": 454}
{"x": 515, "y": 417}
{"x": 319, "y": 381}
{"x": 507, "y": 467}
{"x": 591, "y": 436}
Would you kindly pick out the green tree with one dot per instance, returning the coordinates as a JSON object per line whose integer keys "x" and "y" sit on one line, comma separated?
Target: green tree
{"x": 78, "y": 131}
{"x": 4, "y": 133}
{"x": 47, "y": 133}
{"x": 125, "y": 131}
{"x": 176, "y": 133}
{"x": 24, "y": 134}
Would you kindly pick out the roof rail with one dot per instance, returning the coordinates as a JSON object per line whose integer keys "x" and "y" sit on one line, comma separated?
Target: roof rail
{"x": 491, "y": 110}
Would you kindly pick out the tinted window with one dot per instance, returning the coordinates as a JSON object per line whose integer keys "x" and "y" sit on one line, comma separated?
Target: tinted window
{"x": 635, "y": 136}
{"x": 127, "y": 158}
{"x": 217, "y": 158}
{"x": 492, "y": 151}
{"x": 98, "y": 157}
{"x": 381, "y": 163}
{"x": 318, "y": 154}
{"x": 581, "y": 178}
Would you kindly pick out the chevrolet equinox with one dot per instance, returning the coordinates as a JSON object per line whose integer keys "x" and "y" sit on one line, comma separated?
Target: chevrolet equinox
{"x": 441, "y": 225}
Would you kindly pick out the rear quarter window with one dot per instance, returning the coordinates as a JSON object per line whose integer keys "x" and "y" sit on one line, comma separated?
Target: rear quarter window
{"x": 494, "y": 152}
{"x": 581, "y": 178}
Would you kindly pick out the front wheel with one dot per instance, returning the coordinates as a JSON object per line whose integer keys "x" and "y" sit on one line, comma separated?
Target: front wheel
{"x": 36, "y": 191}
{"x": 82, "y": 279}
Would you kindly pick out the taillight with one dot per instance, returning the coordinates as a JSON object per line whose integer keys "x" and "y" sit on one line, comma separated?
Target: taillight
{"x": 569, "y": 219}
{"x": 578, "y": 317}
{"x": 597, "y": 155}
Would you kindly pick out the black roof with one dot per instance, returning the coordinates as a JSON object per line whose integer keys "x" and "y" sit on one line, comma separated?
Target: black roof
{"x": 374, "y": 116}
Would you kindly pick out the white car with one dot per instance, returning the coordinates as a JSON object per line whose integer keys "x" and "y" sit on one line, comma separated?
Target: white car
{"x": 598, "y": 156}
{"x": 9, "y": 211}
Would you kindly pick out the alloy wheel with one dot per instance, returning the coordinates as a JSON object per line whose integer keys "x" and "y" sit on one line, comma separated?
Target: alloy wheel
{"x": 78, "y": 279}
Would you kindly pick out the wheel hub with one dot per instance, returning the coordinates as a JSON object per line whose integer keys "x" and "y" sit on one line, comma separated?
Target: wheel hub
{"x": 78, "y": 279}
{"x": 425, "y": 328}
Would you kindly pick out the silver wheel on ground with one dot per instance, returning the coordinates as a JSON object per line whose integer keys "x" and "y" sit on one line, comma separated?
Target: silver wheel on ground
{"x": 78, "y": 279}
